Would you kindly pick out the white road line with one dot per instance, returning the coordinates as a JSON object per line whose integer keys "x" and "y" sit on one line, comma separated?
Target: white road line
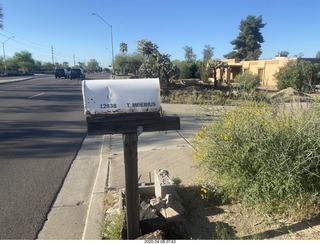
{"x": 37, "y": 95}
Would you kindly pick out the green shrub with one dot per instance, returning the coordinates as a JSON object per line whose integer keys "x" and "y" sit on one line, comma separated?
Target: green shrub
{"x": 248, "y": 82}
{"x": 264, "y": 157}
{"x": 300, "y": 75}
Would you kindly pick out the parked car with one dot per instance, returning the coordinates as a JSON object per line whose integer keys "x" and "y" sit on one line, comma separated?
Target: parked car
{"x": 77, "y": 73}
{"x": 68, "y": 73}
{"x": 58, "y": 73}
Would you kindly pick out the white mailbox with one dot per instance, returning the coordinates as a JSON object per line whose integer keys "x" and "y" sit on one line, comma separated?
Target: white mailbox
{"x": 119, "y": 96}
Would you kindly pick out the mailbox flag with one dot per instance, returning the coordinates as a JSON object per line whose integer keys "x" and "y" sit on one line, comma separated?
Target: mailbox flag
{"x": 121, "y": 96}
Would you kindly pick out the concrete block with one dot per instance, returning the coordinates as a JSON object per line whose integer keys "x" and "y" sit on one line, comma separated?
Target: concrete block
{"x": 157, "y": 203}
{"x": 163, "y": 183}
{"x": 169, "y": 200}
{"x": 177, "y": 206}
{"x": 146, "y": 190}
{"x": 171, "y": 215}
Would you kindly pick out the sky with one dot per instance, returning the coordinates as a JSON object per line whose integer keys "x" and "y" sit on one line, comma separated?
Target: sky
{"x": 66, "y": 30}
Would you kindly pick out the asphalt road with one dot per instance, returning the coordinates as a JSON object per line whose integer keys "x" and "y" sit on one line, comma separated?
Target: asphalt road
{"x": 42, "y": 127}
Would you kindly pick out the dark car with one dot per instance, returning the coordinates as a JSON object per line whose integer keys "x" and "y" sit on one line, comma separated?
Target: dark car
{"x": 58, "y": 73}
{"x": 77, "y": 73}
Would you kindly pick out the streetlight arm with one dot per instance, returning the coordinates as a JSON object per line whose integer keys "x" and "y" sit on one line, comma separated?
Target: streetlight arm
{"x": 102, "y": 19}
{"x": 8, "y": 39}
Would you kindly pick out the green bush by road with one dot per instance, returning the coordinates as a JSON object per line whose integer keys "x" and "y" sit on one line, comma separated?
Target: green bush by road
{"x": 264, "y": 157}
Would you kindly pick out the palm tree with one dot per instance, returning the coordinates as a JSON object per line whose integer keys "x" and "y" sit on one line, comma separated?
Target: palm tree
{"x": 123, "y": 47}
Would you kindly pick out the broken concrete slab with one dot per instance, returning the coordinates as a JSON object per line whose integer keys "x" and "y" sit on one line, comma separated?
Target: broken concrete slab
{"x": 171, "y": 215}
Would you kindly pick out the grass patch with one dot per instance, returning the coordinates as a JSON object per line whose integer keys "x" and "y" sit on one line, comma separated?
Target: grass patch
{"x": 108, "y": 200}
{"x": 112, "y": 225}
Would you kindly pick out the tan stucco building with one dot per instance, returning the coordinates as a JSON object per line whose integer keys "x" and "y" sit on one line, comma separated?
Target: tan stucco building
{"x": 264, "y": 68}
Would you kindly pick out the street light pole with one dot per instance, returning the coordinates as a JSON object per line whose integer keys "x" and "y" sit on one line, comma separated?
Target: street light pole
{"x": 4, "y": 54}
{"x": 111, "y": 39}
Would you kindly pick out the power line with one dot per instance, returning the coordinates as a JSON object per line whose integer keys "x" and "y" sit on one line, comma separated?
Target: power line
{"x": 24, "y": 43}
{"x": 27, "y": 40}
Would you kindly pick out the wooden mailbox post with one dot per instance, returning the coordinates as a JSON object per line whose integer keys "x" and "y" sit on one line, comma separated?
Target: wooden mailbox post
{"x": 127, "y": 107}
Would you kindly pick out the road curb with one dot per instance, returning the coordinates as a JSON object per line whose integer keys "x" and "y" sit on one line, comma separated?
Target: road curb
{"x": 18, "y": 79}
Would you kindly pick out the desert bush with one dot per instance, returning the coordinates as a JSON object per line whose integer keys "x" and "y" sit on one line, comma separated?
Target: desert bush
{"x": 264, "y": 157}
{"x": 246, "y": 88}
{"x": 247, "y": 82}
{"x": 300, "y": 75}
{"x": 192, "y": 95}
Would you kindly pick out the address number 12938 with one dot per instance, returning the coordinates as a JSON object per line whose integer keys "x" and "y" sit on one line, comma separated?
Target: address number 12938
{"x": 108, "y": 105}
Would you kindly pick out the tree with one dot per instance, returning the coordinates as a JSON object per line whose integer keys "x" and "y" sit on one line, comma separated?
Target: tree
{"x": 82, "y": 65}
{"x": 300, "y": 75}
{"x": 128, "y": 63}
{"x": 65, "y": 65}
{"x": 189, "y": 56}
{"x": 187, "y": 70}
{"x": 121, "y": 63}
{"x": 318, "y": 54}
{"x": 283, "y": 54}
{"x": 123, "y": 47}
{"x": 93, "y": 65}
{"x": 156, "y": 64}
{"x": 48, "y": 66}
{"x": 37, "y": 65}
{"x": 247, "y": 46}
{"x": 207, "y": 53}
{"x": 135, "y": 61}
{"x": 215, "y": 65}
{"x": 299, "y": 55}
{"x": 21, "y": 60}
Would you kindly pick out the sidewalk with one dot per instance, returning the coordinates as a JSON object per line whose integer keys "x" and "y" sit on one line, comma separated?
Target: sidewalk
{"x": 175, "y": 155}
{"x": 160, "y": 150}
{"x": 78, "y": 210}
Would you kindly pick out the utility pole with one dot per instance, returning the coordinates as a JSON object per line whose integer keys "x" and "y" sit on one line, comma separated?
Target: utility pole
{"x": 52, "y": 54}
{"x": 74, "y": 60}
{"x": 4, "y": 55}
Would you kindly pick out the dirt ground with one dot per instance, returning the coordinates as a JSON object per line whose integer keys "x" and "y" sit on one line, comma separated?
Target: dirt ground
{"x": 228, "y": 222}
